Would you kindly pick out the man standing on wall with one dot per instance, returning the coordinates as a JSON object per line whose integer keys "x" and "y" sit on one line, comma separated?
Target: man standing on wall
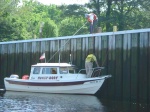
{"x": 93, "y": 19}
{"x": 89, "y": 64}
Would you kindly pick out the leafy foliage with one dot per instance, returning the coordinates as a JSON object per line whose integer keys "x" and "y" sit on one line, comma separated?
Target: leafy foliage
{"x": 69, "y": 26}
{"x": 19, "y": 22}
{"x": 125, "y": 14}
{"x": 50, "y": 29}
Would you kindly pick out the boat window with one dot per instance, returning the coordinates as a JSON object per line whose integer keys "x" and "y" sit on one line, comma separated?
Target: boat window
{"x": 36, "y": 70}
{"x": 63, "y": 70}
{"x": 46, "y": 71}
{"x": 49, "y": 71}
{"x": 71, "y": 70}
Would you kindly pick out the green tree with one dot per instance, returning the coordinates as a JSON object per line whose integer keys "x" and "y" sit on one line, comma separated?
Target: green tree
{"x": 75, "y": 10}
{"x": 7, "y": 29}
{"x": 49, "y": 29}
{"x": 123, "y": 13}
{"x": 72, "y": 19}
{"x": 54, "y": 13}
{"x": 69, "y": 26}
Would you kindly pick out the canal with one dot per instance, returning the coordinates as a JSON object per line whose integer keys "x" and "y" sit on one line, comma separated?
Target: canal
{"x": 124, "y": 54}
{"x": 39, "y": 102}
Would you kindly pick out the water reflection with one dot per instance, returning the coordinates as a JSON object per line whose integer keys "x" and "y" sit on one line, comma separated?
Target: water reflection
{"x": 39, "y": 102}
{"x": 125, "y": 106}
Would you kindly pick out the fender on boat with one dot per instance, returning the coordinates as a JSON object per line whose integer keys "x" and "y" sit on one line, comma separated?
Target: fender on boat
{"x": 25, "y": 77}
{"x": 2, "y": 91}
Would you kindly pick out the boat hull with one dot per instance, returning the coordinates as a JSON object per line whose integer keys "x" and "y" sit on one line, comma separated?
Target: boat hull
{"x": 84, "y": 86}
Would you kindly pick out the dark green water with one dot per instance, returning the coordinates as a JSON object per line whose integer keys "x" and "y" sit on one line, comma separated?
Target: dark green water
{"x": 39, "y": 102}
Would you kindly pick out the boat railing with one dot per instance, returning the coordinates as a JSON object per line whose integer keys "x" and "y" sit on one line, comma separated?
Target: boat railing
{"x": 95, "y": 71}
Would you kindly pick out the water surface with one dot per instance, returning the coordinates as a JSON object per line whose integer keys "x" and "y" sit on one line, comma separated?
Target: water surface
{"x": 39, "y": 102}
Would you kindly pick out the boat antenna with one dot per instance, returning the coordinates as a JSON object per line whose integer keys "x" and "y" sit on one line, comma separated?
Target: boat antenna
{"x": 59, "y": 56}
{"x": 45, "y": 59}
{"x": 70, "y": 60}
{"x": 66, "y": 42}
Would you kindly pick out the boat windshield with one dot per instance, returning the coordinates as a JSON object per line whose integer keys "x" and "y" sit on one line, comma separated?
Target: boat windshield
{"x": 72, "y": 70}
{"x": 45, "y": 70}
{"x": 48, "y": 70}
{"x": 63, "y": 70}
{"x": 36, "y": 70}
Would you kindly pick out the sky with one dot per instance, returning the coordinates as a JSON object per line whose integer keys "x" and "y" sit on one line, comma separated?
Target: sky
{"x": 60, "y": 2}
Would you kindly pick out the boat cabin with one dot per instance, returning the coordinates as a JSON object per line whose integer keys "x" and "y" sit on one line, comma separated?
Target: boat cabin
{"x": 53, "y": 71}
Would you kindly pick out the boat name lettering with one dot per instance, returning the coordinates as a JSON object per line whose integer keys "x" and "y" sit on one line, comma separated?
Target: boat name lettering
{"x": 53, "y": 77}
{"x": 94, "y": 81}
{"x": 42, "y": 77}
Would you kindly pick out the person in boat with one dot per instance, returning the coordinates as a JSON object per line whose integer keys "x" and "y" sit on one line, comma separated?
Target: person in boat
{"x": 89, "y": 64}
{"x": 92, "y": 19}
{"x": 54, "y": 71}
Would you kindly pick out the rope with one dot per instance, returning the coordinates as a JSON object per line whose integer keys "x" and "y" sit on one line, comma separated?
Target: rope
{"x": 66, "y": 43}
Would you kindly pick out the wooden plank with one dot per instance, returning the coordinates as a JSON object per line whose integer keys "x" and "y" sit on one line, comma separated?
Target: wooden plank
{"x": 111, "y": 66}
{"x": 80, "y": 63}
{"x": 73, "y": 51}
{"x": 104, "y": 54}
{"x": 126, "y": 66}
{"x": 29, "y": 55}
{"x": 118, "y": 76}
{"x": 26, "y": 58}
{"x": 126, "y": 106}
{"x": 18, "y": 59}
{"x": 1, "y": 75}
{"x": 62, "y": 50}
{"x": 90, "y": 45}
{"x": 143, "y": 67}
{"x": 0, "y": 60}
{"x": 98, "y": 49}
{"x": 134, "y": 68}
{"x": 4, "y": 59}
{"x": 33, "y": 51}
{"x": 10, "y": 59}
{"x": 47, "y": 50}
{"x": 148, "y": 69}
{"x": 67, "y": 51}
{"x": 54, "y": 51}
{"x": 84, "y": 50}
{"x": 134, "y": 107}
{"x": 42, "y": 50}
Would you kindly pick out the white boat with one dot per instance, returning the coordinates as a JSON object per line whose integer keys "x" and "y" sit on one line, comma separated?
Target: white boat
{"x": 55, "y": 78}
